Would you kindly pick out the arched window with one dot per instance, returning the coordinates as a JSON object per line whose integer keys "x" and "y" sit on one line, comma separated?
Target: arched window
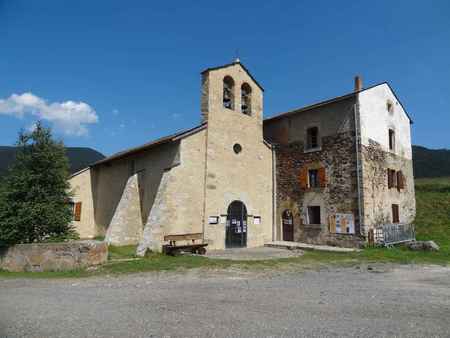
{"x": 246, "y": 99}
{"x": 228, "y": 92}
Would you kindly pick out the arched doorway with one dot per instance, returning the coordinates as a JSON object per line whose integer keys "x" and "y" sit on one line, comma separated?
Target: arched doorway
{"x": 288, "y": 226}
{"x": 236, "y": 227}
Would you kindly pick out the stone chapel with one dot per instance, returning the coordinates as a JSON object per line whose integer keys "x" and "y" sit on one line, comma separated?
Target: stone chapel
{"x": 322, "y": 174}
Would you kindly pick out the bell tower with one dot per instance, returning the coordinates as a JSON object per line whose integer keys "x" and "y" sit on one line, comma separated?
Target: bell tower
{"x": 238, "y": 161}
{"x": 230, "y": 89}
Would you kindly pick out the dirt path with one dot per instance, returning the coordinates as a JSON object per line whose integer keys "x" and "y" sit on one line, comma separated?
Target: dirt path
{"x": 412, "y": 301}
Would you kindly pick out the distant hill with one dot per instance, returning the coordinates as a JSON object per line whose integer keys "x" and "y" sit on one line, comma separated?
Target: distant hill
{"x": 79, "y": 158}
{"x": 431, "y": 162}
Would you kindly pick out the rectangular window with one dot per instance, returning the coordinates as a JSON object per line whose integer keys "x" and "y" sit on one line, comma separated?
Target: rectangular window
{"x": 72, "y": 209}
{"x": 391, "y": 139}
{"x": 395, "y": 214}
{"x": 312, "y": 138}
{"x": 313, "y": 178}
{"x": 313, "y": 215}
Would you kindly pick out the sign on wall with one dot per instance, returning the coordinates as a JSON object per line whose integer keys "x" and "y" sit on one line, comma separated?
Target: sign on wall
{"x": 213, "y": 219}
{"x": 256, "y": 219}
{"x": 342, "y": 224}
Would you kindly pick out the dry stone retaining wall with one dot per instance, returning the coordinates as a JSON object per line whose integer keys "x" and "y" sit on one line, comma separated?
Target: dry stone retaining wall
{"x": 40, "y": 257}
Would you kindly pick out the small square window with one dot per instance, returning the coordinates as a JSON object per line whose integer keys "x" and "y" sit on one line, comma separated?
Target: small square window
{"x": 390, "y": 106}
{"x": 313, "y": 215}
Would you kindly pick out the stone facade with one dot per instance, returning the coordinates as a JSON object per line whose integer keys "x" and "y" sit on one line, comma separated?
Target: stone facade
{"x": 336, "y": 154}
{"x": 126, "y": 225}
{"x": 378, "y": 198}
{"x": 378, "y": 156}
{"x": 81, "y": 185}
{"x": 187, "y": 183}
{"x": 53, "y": 256}
{"x": 178, "y": 204}
{"x": 339, "y": 195}
{"x": 245, "y": 176}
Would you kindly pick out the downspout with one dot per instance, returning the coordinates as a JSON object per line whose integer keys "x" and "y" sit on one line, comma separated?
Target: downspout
{"x": 358, "y": 162}
{"x": 274, "y": 193}
{"x": 205, "y": 182}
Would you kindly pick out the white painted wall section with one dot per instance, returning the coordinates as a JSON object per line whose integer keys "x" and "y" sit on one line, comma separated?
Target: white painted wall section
{"x": 376, "y": 120}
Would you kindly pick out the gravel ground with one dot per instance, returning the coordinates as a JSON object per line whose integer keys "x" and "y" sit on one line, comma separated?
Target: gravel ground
{"x": 253, "y": 254}
{"x": 409, "y": 301}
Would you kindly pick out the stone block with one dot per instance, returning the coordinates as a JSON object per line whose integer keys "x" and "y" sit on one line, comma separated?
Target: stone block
{"x": 423, "y": 246}
{"x": 38, "y": 257}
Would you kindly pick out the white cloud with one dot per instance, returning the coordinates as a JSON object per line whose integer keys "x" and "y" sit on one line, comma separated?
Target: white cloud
{"x": 69, "y": 117}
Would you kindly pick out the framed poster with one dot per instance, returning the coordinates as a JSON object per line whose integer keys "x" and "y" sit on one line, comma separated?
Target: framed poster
{"x": 344, "y": 224}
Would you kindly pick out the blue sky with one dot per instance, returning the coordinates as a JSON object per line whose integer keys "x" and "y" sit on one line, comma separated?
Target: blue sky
{"x": 136, "y": 64}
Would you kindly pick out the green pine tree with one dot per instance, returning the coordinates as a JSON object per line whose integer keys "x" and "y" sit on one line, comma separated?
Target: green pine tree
{"x": 34, "y": 195}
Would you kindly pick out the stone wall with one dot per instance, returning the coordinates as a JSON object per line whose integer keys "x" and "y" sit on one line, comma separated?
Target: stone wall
{"x": 53, "y": 256}
{"x": 178, "y": 204}
{"x": 336, "y": 152}
{"x": 339, "y": 195}
{"x": 109, "y": 180}
{"x": 81, "y": 185}
{"x": 245, "y": 176}
{"x": 126, "y": 226}
{"x": 378, "y": 199}
{"x": 377, "y": 157}
{"x": 121, "y": 193}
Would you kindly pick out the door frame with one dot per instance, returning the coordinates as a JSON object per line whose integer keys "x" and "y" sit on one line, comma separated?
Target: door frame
{"x": 237, "y": 220}
{"x": 287, "y": 215}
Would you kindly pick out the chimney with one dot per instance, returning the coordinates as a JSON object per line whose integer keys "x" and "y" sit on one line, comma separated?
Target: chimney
{"x": 358, "y": 83}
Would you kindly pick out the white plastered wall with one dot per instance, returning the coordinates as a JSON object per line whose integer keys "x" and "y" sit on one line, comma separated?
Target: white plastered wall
{"x": 376, "y": 120}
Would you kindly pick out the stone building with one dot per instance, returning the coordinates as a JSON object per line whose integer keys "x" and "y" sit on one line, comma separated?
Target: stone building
{"x": 325, "y": 174}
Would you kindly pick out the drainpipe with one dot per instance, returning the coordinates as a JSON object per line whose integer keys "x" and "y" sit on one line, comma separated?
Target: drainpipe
{"x": 274, "y": 192}
{"x": 358, "y": 162}
{"x": 205, "y": 169}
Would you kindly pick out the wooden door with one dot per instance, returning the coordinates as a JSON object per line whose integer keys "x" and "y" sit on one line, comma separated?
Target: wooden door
{"x": 288, "y": 226}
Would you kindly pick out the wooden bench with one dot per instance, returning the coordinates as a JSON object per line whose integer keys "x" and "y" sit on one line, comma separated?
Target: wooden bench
{"x": 192, "y": 246}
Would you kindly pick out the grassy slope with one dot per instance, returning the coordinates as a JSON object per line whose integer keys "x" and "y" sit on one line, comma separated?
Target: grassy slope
{"x": 432, "y": 223}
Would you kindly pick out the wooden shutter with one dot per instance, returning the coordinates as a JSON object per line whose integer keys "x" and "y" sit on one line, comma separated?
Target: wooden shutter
{"x": 332, "y": 224}
{"x": 77, "y": 213}
{"x": 322, "y": 177}
{"x": 400, "y": 180}
{"x": 303, "y": 178}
